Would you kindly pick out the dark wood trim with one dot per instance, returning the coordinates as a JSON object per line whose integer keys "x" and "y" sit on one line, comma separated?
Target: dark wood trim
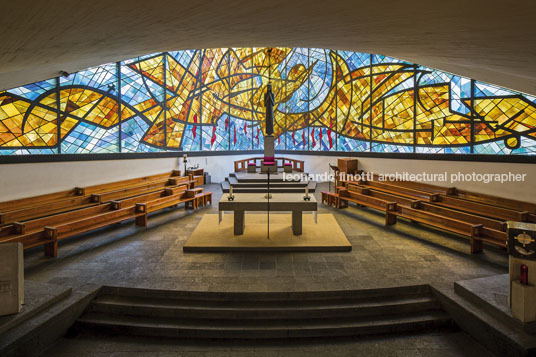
{"x": 27, "y": 159}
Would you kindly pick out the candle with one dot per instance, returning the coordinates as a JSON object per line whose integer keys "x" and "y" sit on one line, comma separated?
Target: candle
{"x": 231, "y": 190}
{"x": 307, "y": 190}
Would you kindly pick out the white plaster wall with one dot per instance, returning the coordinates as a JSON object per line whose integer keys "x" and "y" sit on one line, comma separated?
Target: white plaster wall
{"x": 22, "y": 180}
{"x": 524, "y": 191}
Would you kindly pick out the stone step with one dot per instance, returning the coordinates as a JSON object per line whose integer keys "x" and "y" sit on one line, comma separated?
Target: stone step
{"x": 287, "y": 296}
{"x": 247, "y": 315}
{"x": 255, "y": 188}
{"x": 233, "y": 181}
{"x": 260, "y": 329}
{"x": 136, "y": 306}
{"x": 244, "y": 177}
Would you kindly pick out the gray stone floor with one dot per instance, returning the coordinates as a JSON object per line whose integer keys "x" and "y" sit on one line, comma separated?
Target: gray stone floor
{"x": 429, "y": 344}
{"x": 125, "y": 255}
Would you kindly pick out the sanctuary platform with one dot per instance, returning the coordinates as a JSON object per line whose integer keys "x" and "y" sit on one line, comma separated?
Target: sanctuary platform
{"x": 211, "y": 236}
{"x": 244, "y": 182}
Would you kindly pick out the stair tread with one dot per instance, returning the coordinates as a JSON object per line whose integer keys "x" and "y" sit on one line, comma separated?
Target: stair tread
{"x": 301, "y": 296}
{"x": 277, "y": 305}
{"x": 97, "y": 318}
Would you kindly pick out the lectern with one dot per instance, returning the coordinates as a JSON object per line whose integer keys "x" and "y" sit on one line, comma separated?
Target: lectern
{"x": 522, "y": 251}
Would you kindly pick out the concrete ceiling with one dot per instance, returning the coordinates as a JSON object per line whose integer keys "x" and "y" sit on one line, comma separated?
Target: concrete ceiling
{"x": 489, "y": 40}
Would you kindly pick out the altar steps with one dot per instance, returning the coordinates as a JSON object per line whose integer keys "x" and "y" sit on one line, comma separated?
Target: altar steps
{"x": 258, "y": 183}
{"x": 215, "y": 315}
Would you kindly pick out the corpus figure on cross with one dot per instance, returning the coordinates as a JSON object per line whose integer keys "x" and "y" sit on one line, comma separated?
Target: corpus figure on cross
{"x": 269, "y": 102}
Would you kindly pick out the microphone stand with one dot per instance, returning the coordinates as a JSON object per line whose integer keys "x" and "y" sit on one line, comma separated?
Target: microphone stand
{"x": 268, "y": 237}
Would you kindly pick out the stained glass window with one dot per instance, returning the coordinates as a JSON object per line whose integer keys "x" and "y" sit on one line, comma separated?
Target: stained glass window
{"x": 213, "y": 100}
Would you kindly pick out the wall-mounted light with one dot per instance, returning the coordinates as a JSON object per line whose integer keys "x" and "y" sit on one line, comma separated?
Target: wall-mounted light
{"x": 64, "y": 74}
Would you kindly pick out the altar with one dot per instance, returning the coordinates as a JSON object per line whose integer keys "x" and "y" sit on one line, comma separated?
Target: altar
{"x": 282, "y": 202}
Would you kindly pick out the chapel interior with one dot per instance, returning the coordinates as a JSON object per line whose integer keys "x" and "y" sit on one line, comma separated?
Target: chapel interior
{"x": 267, "y": 178}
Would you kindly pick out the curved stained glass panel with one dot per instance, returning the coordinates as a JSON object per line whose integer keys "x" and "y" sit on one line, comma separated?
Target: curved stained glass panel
{"x": 212, "y": 100}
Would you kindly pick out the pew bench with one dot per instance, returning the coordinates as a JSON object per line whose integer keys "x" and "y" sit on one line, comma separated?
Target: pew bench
{"x": 331, "y": 199}
{"x": 401, "y": 191}
{"x": 35, "y": 239}
{"x": 504, "y": 214}
{"x": 495, "y": 201}
{"x": 41, "y": 223}
{"x": 50, "y": 208}
{"x": 28, "y": 202}
{"x": 448, "y": 224}
{"x": 130, "y": 191}
{"x": 163, "y": 202}
{"x": 369, "y": 201}
{"x": 117, "y": 185}
{"x": 87, "y": 224}
{"x": 203, "y": 199}
{"x": 182, "y": 180}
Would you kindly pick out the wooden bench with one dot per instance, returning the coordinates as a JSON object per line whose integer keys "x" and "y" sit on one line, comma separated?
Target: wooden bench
{"x": 203, "y": 199}
{"x": 87, "y": 224}
{"x": 449, "y": 224}
{"x": 137, "y": 190}
{"x": 401, "y": 200}
{"x": 493, "y": 231}
{"x": 113, "y": 186}
{"x": 131, "y": 201}
{"x": 182, "y": 180}
{"x": 401, "y": 191}
{"x": 32, "y": 240}
{"x": 372, "y": 202}
{"x": 28, "y": 202}
{"x": 495, "y": 201}
{"x": 164, "y": 202}
{"x": 49, "y": 208}
{"x": 504, "y": 214}
{"x": 41, "y": 223}
{"x": 420, "y": 186}
{"x": 330, "y": 198}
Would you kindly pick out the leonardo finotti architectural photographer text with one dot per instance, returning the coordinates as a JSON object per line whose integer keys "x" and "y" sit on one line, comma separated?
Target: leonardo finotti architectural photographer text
{"x": 406, "y": 176}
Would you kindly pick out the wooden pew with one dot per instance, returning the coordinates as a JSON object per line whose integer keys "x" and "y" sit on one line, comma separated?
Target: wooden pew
{"x": 369, "y": 201}
{"x": 203, "y": 199}
{"x": 21, "y": 203}
{"x": 493, "y": 231}
{"x": 463, "y": 228}
{"x": 87, "y": 224}
{"x": 164, "y": 202}
{"x": 401, "y": 191}
{"x": 495, "y": 201}
{"x": 117, "y": 185}
{"x": 182, "y": 180}
{"x": 401, "y": 200}
{"x": 50, "y": 208}
{"x": 132, "y": 191}
{"x": 482, "y": 209}
{"x": 426, "y": 187}
{"x": 41, "y": 223}
{"x": 32, "y": 240}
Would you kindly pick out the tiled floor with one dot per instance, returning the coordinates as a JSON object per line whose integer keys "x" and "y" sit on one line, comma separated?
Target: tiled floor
{"x": 126, "y": 255}
{"x": 382, "y": 256}
{"x": 429, "y": 345}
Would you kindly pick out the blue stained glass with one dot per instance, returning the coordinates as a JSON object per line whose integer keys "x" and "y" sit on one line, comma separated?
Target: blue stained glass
{"x": 34, "y": 90}
{"x": 216, "y": 138}
{"x": 377, "y": 147}
{"x": 201, "y": 94}
{"x": 87, "y": 138}
{"x": 103, "y": 77}
{"x": 352, "y": 145}
{"x": 355, "y": 60}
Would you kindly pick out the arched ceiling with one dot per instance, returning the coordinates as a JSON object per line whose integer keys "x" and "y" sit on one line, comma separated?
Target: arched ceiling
{"x": 489, "y": 40}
